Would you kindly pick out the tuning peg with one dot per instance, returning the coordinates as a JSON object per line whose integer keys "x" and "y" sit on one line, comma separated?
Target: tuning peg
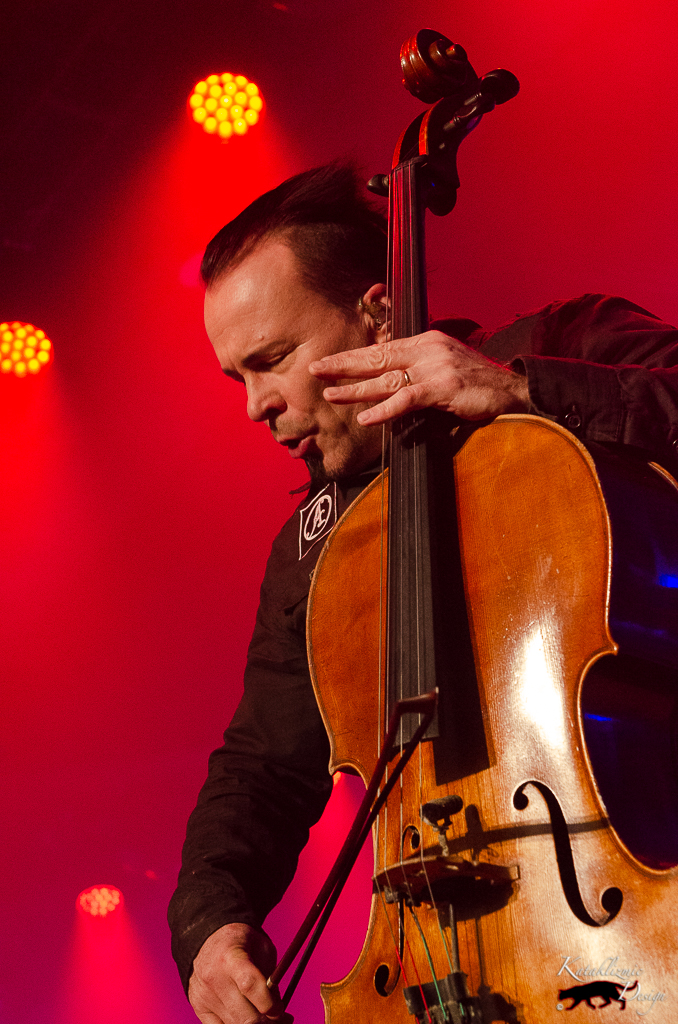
{"x": 379, "y": 185}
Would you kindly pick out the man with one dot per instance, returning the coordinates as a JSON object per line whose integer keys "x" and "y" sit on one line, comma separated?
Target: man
{"x": 296, "y": 310}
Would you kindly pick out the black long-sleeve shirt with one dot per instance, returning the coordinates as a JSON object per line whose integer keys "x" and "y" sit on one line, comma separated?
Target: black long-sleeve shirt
{"x": 604, "y": 368}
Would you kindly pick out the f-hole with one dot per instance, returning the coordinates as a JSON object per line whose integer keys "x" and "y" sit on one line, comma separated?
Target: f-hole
{"x": 611, "y": 899}
{"x": 381, "y": 976}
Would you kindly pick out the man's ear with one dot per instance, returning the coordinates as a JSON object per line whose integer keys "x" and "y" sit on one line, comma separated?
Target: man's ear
{"x": 374, "y": 305}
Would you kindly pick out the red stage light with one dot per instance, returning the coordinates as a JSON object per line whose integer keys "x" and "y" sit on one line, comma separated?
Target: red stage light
{"x": 23, "y": 349}
{"x": 226, "y": 105}
{"x": 99, "y": 900}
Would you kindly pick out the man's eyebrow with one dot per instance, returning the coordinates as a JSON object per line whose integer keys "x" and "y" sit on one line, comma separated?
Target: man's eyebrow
{"x": 254, "y": 358}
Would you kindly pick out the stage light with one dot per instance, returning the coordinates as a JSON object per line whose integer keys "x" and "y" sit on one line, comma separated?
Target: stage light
{"x": 23, "y": 349}
{"x": 99, "y": 900}
{"x": 226, "y": 105}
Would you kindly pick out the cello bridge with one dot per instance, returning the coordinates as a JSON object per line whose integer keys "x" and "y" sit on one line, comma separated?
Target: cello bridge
{"x": 432, "y": 877}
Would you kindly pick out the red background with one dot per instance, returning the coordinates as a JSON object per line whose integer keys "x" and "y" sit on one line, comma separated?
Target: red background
{"x": 137, "y": 504}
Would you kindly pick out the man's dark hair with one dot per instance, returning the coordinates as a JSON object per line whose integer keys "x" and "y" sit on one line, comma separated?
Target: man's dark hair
{"x": 326, "y": 219}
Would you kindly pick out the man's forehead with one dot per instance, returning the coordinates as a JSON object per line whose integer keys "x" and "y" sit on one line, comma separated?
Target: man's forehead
{"x": 255, "y": 308}
{"x": 272, "y": 257}
{"x": 260, "y": 284}
{"x": 231, "y": 295}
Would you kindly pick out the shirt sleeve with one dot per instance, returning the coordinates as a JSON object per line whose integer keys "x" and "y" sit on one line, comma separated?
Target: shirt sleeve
{"x": 607, "y": 370}
{"x": 266, "y": 786}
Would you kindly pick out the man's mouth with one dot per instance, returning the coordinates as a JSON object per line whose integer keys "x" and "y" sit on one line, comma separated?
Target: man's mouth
{"x": 300, "y": 447}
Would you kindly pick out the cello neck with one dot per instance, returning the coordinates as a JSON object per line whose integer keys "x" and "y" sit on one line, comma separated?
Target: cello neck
{"x": 410, "y": 651}
{"x": 407, "y": 273}
{"x": 424, "y": 176}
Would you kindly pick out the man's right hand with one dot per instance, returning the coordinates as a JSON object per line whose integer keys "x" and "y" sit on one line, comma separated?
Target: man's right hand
{"x": 228, "y": 984}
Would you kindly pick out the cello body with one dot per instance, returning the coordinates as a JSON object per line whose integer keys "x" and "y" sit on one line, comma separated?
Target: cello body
{"x": 558, "y": 906}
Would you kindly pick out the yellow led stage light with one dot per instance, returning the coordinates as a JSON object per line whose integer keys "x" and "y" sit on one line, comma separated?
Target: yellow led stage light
{"x": 23, "y": 349}
{"x": 226, "y": 105}
{"x": 99, "y": 900}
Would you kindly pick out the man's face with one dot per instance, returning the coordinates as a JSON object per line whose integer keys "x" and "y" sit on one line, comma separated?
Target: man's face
{"x": 266, "y": 326}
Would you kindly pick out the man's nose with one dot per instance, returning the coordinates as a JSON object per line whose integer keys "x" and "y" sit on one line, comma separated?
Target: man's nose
{"x": 263, "y": 400}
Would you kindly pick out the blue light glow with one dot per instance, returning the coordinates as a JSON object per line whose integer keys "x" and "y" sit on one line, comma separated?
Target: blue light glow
{"x": 669, "y": 581}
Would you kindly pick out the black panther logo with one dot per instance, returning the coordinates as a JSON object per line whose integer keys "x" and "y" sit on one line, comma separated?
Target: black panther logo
{"x": 607, "y": 990}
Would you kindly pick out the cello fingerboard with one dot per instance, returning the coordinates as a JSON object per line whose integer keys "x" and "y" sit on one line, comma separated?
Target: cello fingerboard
{"x": 411, "y": 662}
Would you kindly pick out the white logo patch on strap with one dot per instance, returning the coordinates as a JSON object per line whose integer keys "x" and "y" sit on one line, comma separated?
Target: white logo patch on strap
{"x": 317, "y": 518}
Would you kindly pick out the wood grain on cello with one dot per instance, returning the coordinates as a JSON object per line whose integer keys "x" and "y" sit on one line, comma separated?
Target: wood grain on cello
{"x": 536, "y": 564}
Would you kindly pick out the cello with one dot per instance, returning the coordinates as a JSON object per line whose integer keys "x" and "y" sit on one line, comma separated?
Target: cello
{"x": 503, "y": 629}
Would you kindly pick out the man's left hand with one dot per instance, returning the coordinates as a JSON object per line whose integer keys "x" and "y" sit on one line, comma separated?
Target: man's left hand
{"x": 442, "y": 372}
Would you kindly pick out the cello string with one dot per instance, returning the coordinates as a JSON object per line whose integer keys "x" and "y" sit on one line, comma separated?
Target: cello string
{"x": 385, "y": 840}
{"x": 401, "y": 959}
{"x": 384, "y": 645}
{"x": 382, "y": 668}
{"x": 403, "y": 291}
{"x": 410, "y": 280}
{"x": 384, "y": 662}
{"x": 389, "y": 652}
{"x": 413, "y": 275}
{"x": 430, "y": 963}
{"x": 411, "y": 903}
{"x": 407, "y": 881}
{"x": 381, "y": 577}
{"x": 417, "y": 450}
{"x": 395, "y": 943}
{"x": 402, "y": 236}
{"x": 421, "y": 987}
{"x": 389, "y": 610}
{"x": 422, "y": 860}
{"x": 399, "y": 264}
{"x": 402, "y": 829}
{"x": 388, "y": 922}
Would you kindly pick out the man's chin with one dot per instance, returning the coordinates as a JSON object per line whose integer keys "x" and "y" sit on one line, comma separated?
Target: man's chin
{"x": 316, "y": 470}
{"x": 346, "y": 457}
{"x": 322, "y": 473}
